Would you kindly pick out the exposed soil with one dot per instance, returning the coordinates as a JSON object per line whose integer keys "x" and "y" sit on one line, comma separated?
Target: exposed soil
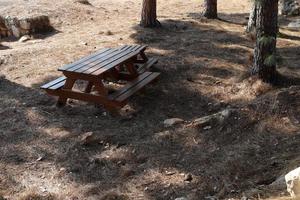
{"x": 204, "y": 65}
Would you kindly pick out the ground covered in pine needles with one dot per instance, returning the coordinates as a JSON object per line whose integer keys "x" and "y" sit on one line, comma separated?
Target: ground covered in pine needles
{"x": 205, "y": 70}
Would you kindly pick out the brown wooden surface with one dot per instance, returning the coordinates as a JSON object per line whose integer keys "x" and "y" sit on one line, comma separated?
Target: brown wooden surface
{"x": 133, "y": 86}
{"x": 107, "y": 63}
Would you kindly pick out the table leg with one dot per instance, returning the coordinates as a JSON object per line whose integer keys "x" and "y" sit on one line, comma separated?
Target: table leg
{"x": 68, "y": 85}
{"x": 99, "y": 87}
{"x": 143, "y": 55}
{"x": 89, "y": 87}
{"x": 131, "y": 69}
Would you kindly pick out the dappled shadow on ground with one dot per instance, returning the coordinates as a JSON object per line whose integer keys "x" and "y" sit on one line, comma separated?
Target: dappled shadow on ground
{"x": 234, "y": 18}
{"x": 136, "y": 155}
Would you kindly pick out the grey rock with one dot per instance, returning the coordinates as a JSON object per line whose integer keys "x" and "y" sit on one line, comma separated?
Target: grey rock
{"x": 295, "y": 24}
{"x": 289, "y": 7}
{"x": 278, "y": 184}
{"x": 217, "y": 118}
{"x": 172, "y": 122}
{"x": 292, "y": 180}
{"x": 181, "y": 198}
{"x": 25, "y": 38}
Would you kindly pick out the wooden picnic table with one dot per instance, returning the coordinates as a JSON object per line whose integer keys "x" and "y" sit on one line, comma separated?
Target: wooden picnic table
{"x": 128, "y": 63}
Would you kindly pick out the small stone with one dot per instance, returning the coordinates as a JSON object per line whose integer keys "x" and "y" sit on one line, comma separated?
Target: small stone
{"x": 40, "y": 158}
{"x": 88, "y": 138}
{"x": 207, "y": 127}
{"x": 170, "y": 173}
{"x": 85, "y": 2}
{"x": 188, "y": 177}
{"x": 25, "y": 38}
{"x": 172, "y": 122}
{"x": 108, "y": 33}
{"x": 181, "y": 198}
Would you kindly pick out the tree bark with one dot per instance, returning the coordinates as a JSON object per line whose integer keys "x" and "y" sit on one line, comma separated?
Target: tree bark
{"x": 252, "y": 19}
{"x": 210, "y": 9}
{"x": 149, "y": 17}
{"x": 266, "y": 34}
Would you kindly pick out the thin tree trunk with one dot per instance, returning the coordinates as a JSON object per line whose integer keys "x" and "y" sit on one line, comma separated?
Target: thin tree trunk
{"x": 252, "y": 19}
{"x": 149, "y": 17}
{"x": 266, "y": 32}
{"x": 210, "y": 9}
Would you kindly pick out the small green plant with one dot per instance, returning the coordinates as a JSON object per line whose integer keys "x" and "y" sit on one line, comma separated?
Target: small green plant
{"x": 266, "y": 40}
{"x": 270, "y": 60}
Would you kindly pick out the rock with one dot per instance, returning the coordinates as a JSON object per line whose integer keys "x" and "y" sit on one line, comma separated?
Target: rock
{"x": 289, "y": 7}
{"x": 295, "y": 24}
{"x": 163, "y": 136}
{"x": 24, "y": 38}
{"x": 188, "y": 178}
{"x": 24, "y": 24}
{"x": 172, "y": 122}
{"x": 181, "y": 198}
{"x": 108, "y": 33}
{"x": 292, "y": 180}
{"x": 85, "y": 2}
{"x": 12, "y": 26}
{"x": 211, "y": 198}
{"x": 207, "y": 121}
{"x": 279, "y": 184}
{"x": 88, "y": 138}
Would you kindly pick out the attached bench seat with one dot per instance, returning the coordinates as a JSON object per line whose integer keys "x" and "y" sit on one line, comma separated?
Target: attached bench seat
{"x": 135, "y": 85}
{"x": 146, "y": 66}
{"x": 55, "y": 84}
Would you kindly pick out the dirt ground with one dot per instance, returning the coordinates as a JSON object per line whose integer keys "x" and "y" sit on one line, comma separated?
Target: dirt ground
{"x": 204, "y": 65}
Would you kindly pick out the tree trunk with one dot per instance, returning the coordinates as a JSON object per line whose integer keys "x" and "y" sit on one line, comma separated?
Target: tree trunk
{"x": 252, "y": 19}
{"x": 149, "y": 18}
{"x": 266, "y": 32}
{"x": 210, "y": 9}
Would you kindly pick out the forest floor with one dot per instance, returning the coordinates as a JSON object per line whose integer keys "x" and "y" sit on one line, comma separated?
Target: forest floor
{"x": 204, "y": 67}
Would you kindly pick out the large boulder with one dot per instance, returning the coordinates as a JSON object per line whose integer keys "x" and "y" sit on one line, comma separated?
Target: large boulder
{"x": 12, "y": 26}
{"x": 292, "y": 180}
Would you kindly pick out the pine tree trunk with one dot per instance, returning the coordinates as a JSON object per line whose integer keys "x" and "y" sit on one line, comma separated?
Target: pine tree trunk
{"x": 252, "y": 19}
{"x": 149, "y": 17}
{"x": 266, "y": 32}
{"x": 210, "y": 9}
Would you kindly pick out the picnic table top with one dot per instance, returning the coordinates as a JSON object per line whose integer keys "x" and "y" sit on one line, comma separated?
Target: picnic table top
{"x": 103, "y": 60}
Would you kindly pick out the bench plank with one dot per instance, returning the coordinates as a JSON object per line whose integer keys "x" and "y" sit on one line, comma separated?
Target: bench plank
{"x": 53, "y": 83}
{"x": 57, "y": 86}
{"x": 134, "y": 86}
{"x": 147, "y": 65}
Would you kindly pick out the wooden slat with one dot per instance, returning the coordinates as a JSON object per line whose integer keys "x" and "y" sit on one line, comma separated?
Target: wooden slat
{"x": 54, "y": 82}
{"x": 134, "y": 86}
{"x": 147, "y": 65}
{"x": 129, "y": 85}
{"x": 122, "y": 47}
{"x": 141, "y": 48}
{"x": 114, "y": 63}
{"x": 83, "y": 59}
{"x": 102, "y": 56}
{"x": 90, "y": 67}
{"x": 57, "y": 86}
